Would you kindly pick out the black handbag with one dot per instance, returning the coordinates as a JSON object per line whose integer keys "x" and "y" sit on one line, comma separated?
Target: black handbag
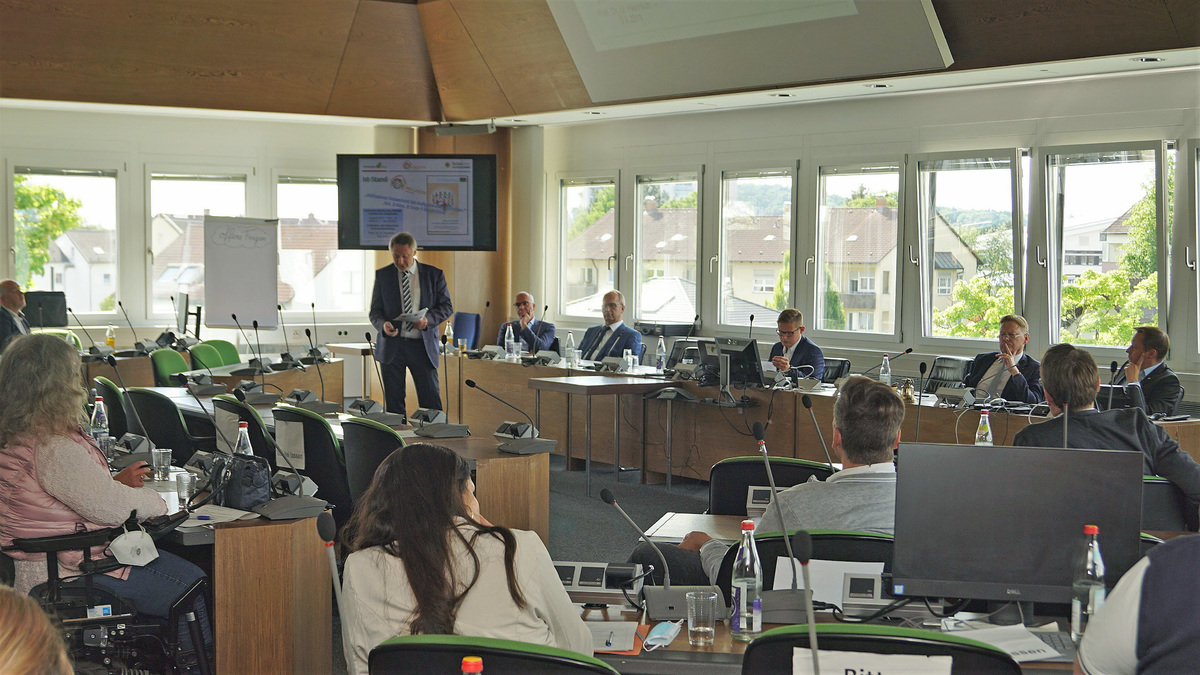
{"x": 237, "y": 481}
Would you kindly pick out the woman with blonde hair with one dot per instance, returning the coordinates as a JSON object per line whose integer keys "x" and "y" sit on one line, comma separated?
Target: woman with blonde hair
{"x": 29, "y": 642}
{"x": 55, "y": 480}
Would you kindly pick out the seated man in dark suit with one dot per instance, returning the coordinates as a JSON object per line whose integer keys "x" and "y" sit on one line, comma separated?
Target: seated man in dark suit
{"x": 1009, "y": 373}
{"x": 12, "y": 321}
{"x": 614, "y": 337}
{"x": 1071, "y": 376}
{"x": 1147, "y": 368}
{"x": 534, "y": 334}
{"x": 794, "y": 351}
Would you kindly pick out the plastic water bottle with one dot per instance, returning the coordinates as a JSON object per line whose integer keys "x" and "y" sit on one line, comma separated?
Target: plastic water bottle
{"x": 243, "y": 446}
{"x": 99, "y": 424}
{"x": 570, "y": 353}
{"x": 983, "y": 435}
{"x": 1088, "y": 586}
{"x": 110, "y": 336}
{"x": 746, "y": 612}
{"x": 510, "y": 345}
{"x": 449, "y": 337}
{"x": 885, "y": 371}
{"x": 660, "y": 356}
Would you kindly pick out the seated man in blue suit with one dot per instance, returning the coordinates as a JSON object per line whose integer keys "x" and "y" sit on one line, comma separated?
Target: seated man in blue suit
{"x": 1010, "y": 373}
{"x": 533, "y": 334}
{"x": 614, "y": 337}
{"x": 12, "y": 321}
{"x": 794, "y": 351}
{"x": 1147, "y": 369}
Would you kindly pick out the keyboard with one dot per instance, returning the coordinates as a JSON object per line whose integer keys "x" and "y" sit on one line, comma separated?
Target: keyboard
{"x": 1060, "y": 641}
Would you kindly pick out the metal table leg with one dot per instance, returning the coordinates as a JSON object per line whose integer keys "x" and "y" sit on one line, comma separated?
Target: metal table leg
{"x": 617, "y": 437}
{"x": 669, "y": 464}
{"x": 587, "y": 447}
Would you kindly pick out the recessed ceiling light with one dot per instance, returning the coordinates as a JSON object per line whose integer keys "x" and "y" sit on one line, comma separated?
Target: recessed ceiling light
{"x": 878, "y": 85}
{"x": 782, "y": 94}
{"x": 1148, "y": 59}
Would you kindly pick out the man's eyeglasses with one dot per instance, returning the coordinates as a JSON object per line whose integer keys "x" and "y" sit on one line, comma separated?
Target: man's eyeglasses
{"x": 786, "y": 333}
{"x": 522, "y": 304}
{"x": 1010, "y": 336}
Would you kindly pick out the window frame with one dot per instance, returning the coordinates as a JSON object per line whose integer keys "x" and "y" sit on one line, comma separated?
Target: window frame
{"x": 564, "y": 180}
{"x": 657, "y": 174}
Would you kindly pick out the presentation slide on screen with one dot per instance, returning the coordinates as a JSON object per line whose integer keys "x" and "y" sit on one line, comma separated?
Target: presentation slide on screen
{"x": 429, "y": 197}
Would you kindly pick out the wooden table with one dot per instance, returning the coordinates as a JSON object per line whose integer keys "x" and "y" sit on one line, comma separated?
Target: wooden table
{"x": 137, "y": 371}
{"x": 324, "y": 379}
{"x": 672, "y": 527}
{"x": 597, "y": 385}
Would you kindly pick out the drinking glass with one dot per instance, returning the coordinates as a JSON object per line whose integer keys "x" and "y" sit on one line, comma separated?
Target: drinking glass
{"x": 160, "y": 460}
{"x": 185, "y": 485}
{"x": 702, "y": 617}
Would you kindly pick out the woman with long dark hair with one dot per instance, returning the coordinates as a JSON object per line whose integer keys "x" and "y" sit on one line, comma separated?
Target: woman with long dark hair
{"x": 424, "y": 561}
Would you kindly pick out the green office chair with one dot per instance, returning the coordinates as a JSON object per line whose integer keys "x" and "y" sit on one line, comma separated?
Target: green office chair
{"x": 366, "y": 443}
{"x": 771, "y": 652}
{"x": 258, "y": 431}
{"x": 228, "y": 352}
{"x": 167, "y": 362}
{"x": 114, "y": 403}
{"x": 64, "y": 333}
{"x": 444, "y": 654}
{"x": 323, "y": 459}
{"x": 729, "y": 478}
{"x": 165, "y": 426}
{"x": 205, "y": 356}
{"x": 843, "y": 545}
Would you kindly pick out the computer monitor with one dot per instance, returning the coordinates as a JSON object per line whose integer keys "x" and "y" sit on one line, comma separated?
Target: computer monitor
{"x": 181, "y": 313}
{"x": 744, "y": 364}
{"x": 1123, "y": 396}
{"x": 1006, "y": 523}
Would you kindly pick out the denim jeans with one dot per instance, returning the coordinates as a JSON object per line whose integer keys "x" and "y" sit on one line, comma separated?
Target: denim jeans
{"x": 155, "y": 587}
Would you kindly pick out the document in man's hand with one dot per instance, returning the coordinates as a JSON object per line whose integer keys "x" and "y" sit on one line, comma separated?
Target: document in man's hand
{"x": 412, "y": 316}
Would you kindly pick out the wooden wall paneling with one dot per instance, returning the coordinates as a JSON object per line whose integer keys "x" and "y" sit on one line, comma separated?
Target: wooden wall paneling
{"x": 515, "y": 492}
{"x": 467, "y": 89}
{"x": 385, "y": 71}
{"x": 535, "y": 71}
{"x": 279, "y": 57}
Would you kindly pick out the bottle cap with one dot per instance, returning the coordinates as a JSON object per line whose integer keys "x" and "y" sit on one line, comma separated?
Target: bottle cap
{"x": 747, "y": 525}
{"x": 243, "y": 425}
{"x": 99, "y": 399}
{"x": 1091, "y": 529}
{"x": 983, "y": 413}
{"x": 472, "y": 664}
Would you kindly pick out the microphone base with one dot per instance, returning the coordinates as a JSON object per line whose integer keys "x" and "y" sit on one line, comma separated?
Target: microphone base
{"x": 443, "y": 431}
{"x": 145, "y": 346}
{"x": 249, "y": 371}
{"x": 320, "y": 407}
{"x": 261, "y": 399}
{"x": 668, "y": 603}
{"x": 786, "y": 606}
{"x": 209, "y": 389}
{"x": 528, "y": 446}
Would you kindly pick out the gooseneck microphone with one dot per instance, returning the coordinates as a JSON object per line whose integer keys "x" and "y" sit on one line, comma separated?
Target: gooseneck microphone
{"x": 920, "y": 398}
{"x": 1065, "y": 405}
{"x": 808, "y": 404}
{"x": 316, "y": 362}
{"x": 327, "y": 530}
{"x": 666, "y": 602}
{"x": 286, "y": 357}
{"x": 112, "y": 363}
{"x": 893, "y": 360}
{"x": 379, "y": 373}
{"x": 141, "y": 346}
{"x": 1114, "y": 368}
{"x": 760, "y": 435}
{"x": 471, "y": 384}
{"x": 95, "y": 349}
{"x": 802, "y": 543}
{"x": 692, "y": 327}
{"x": 200, "y": 385}
{"x": 483, "y": 320}
{"x": 521, "y": 446}
{"x": 750, "y": 333}
{"x": 255, "y": 363}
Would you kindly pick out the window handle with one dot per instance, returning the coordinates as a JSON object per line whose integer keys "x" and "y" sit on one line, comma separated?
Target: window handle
{"x": 611, "y": 258}
{"x": 808, "y": 265}
{"x": 1188, "y": 259}
{"x": 1038, "y": 256}
{"x": 912, "y": 257}
{"x": 711, "y": 261}
{"x": 628, "y": 261}
{"x": 150, "y": 252}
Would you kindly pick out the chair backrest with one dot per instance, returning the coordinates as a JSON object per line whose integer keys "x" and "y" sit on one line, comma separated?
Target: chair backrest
{"x": 947, "y": 371}
{"x": 323, "y": 460}
{"x": 771, "y": 652}
{"x": 467, "y": 326}
{"x": 365, "y": 443}
{"x": 258, "y": 430}
{"x": 114, "y": 403}
{"x": 165, "y": 426}
{"x": 227, "y": 351}
{"x": 729, "y": 478}
{"x": 444, "y": 654}
{"x": 205, "y": 356}
{"x": 167, "y": 362}
{"x": 842, "y": 545}
{"x": 835, "y": 369}
{"x": 1178, "y": 401}
{"x": 64, "y": 333}
{"x": 1166, "y": 508}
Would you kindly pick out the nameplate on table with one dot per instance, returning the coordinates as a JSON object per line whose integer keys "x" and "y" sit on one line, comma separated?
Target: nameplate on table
{"x": 866, "y": 662}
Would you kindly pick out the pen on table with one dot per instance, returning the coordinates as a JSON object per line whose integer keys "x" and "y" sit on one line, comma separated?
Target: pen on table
{"x": 608, "y": 642}
{"x": 203, "y": 517}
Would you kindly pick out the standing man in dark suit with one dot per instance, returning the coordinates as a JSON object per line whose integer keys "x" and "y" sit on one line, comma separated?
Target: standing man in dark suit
{"x": 614, "y": 337}
{"x": 794, "y": 351}
{"x": 12, "y": 321}
{"x": 1147, "y": 369}
{"x": 1015, "y": 375}
{"x": 528, "y": 329}
{"x": 1071, "y": 376}
{"x": 403, "y": 288}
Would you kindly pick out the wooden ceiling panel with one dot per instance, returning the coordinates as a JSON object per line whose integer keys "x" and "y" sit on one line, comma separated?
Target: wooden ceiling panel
{"x": 993, "y": 33}
{"x": 385, "y": 71}
{"x": 525, "y": 52}
{"x": 466, "y": 86}
{"x": 282, "y": 57}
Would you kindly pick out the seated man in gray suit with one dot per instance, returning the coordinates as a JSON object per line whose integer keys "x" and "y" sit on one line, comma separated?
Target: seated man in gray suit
{"x": 1069, "y": 374}
{"x": 534, "y": 334}
{"x": 860, "y": 497}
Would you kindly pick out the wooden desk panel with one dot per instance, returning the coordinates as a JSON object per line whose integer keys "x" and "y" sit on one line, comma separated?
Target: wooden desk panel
{"x": 287, "y": 380}
{"x": 138, "y": 371}
{"x": 509, "y": 381}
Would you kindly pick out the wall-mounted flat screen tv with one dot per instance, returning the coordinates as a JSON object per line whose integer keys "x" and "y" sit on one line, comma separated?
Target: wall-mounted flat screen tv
{"x": 448, "y": 202}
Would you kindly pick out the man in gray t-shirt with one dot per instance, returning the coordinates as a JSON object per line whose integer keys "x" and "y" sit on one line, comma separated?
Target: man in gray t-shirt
{"x": 860, "y": 497}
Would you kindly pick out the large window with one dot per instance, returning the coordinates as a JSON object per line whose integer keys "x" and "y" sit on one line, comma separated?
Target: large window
{"x": 668, "y": 226}
{"x": 756, "y": 235}
{"x": 311, "y": 268}
{"x": 967, "y": 238}
{"x": 178, "y": 203}
{"x": 858, "y": 227}
{"x": 66, "y": 235}
{"x": 1103, "y": 214}
{"x": 589, "y": 217}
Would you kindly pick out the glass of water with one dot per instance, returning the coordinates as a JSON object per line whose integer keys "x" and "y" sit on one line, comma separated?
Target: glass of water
{"x": 160, "y": 460}
{"x": 629, "y": 362}
{"x": 702, "y": 617}
{"x": 185, "y": 485}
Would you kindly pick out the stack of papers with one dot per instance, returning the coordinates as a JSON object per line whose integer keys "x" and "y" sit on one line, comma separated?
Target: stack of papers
{"x": 211, "y": 514}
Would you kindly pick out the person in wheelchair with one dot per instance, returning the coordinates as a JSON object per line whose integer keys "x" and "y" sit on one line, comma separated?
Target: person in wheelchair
{"x": 29, "y": 642}
{"x": 54, "y": 480}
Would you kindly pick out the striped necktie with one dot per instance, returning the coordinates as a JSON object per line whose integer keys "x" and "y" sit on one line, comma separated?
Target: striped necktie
{"x": 406, "y": 296}
{"x": 596, "y": 354}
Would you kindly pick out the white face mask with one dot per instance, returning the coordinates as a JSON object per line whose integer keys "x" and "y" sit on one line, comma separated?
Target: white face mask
{"x": 134, "y": 548}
